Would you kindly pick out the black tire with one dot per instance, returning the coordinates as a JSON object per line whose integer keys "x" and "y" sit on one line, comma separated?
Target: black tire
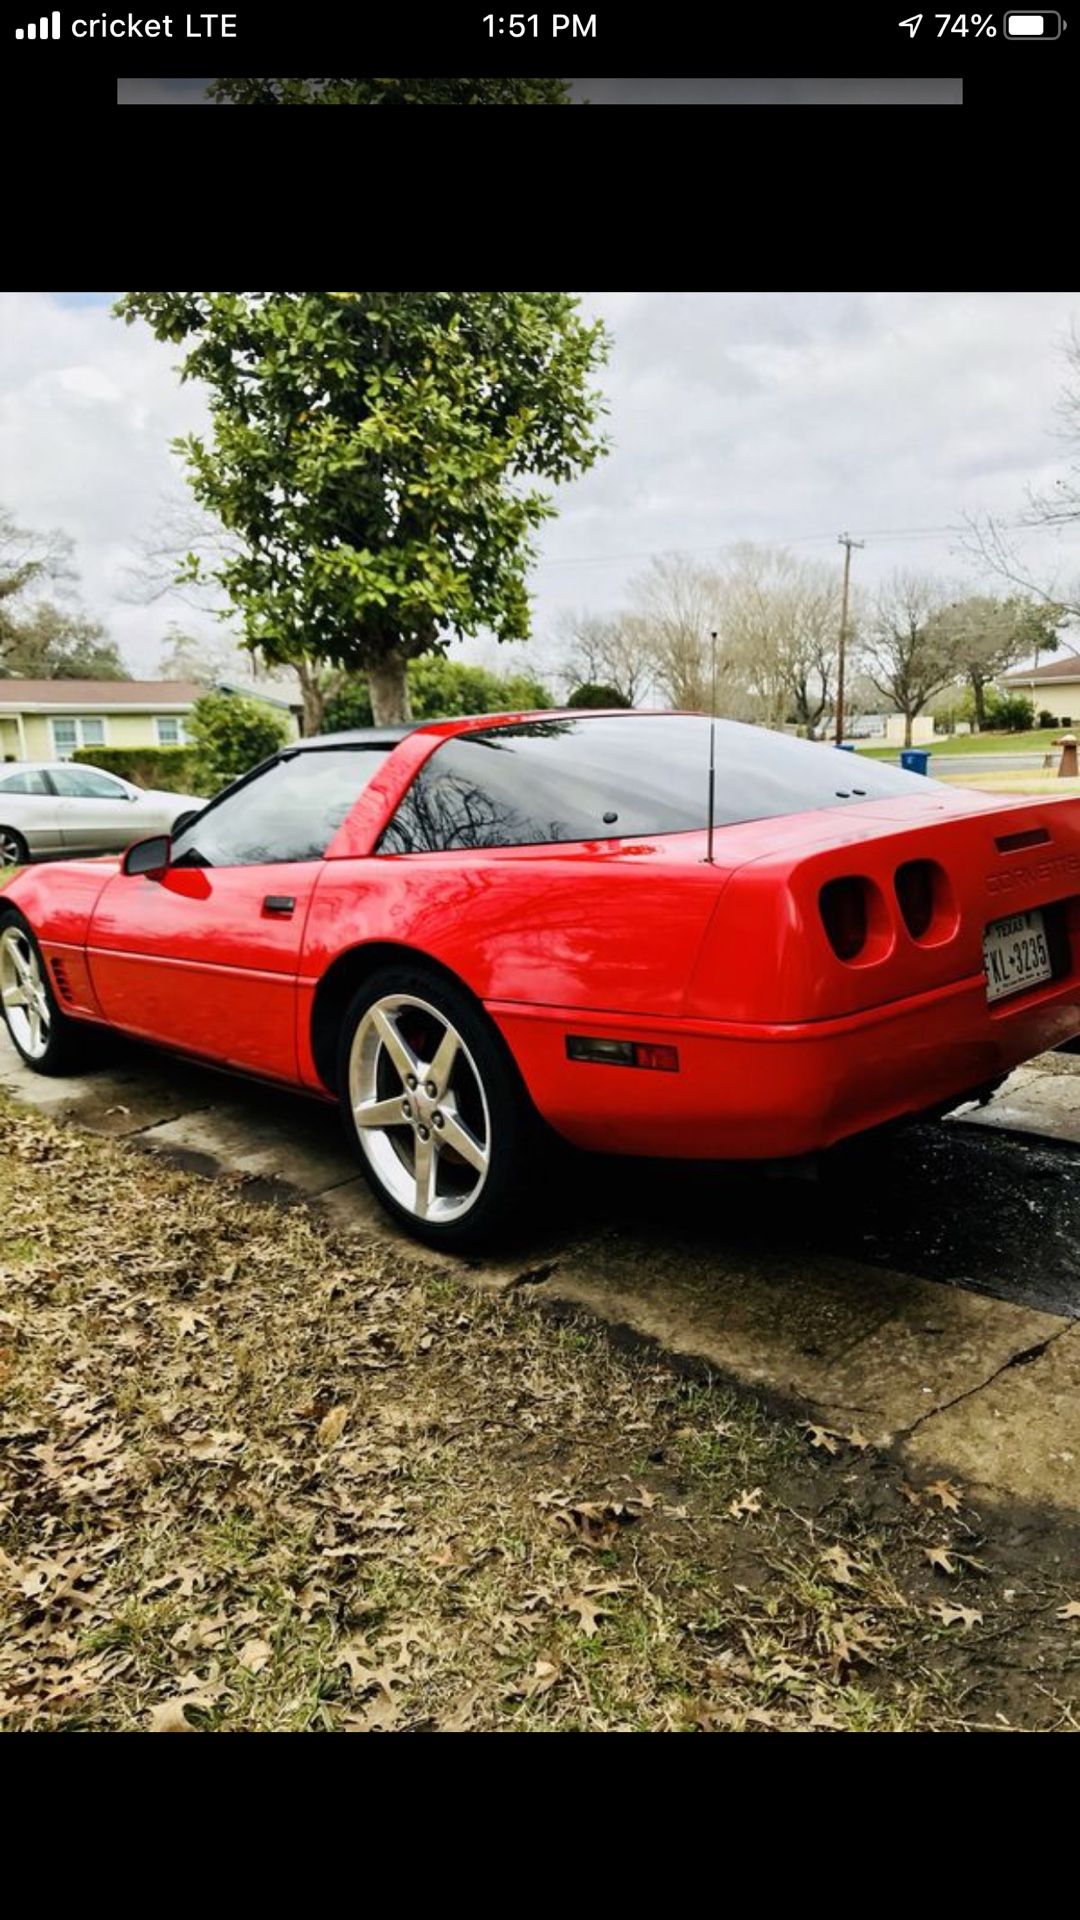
{"x": 70, "y": 1042}
{"x": 14, "y": 851}
{"x": 513, "y": 1131}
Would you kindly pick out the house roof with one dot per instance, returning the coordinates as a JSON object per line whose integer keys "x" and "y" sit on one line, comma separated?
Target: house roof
{"x": 1048, "y": 671}
{"x": 47, "y": 696}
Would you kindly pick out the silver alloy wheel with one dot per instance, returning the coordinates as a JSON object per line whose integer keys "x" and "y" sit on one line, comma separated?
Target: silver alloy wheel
{"x": 11, "y": 852}
{"x": 421, "y": 1113}
{"x": 23, "y": 993}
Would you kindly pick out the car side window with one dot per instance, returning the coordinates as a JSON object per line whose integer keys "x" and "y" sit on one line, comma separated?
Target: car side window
{"x": 28, "y": 782}
{"x": 290, "y": 810}
{"x": 85, "y": 783}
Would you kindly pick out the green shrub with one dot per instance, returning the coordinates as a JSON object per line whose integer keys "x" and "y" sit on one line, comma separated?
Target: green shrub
{"x": 173, "y": 768}
{"x": 1048, "y": 719}
{"x": 231, "y": 734}
{"x": 439, "y": 689}
{"x": 1013, "y": 713}
{"x": 591, "y": 694}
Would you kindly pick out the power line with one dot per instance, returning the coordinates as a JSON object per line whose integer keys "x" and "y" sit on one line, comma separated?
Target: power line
{"x": 796, "y": 540}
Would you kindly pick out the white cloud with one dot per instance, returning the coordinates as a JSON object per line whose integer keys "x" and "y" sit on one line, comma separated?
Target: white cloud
{"x": 733, "y": 416}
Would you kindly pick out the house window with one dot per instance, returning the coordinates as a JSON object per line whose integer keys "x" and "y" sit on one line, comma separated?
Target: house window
{"x": 170, "y": 730}
{"x": 80, "y": 732}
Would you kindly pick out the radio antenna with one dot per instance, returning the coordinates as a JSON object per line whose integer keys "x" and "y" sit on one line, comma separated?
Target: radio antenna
{"x": 712, "y": 750}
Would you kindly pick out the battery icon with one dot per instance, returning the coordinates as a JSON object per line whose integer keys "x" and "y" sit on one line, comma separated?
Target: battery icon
{"x": 1032, "y": 26}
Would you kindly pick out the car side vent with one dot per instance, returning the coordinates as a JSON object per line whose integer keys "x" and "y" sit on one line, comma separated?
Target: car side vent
{"x": 63, "y": 984}
{"x": 1012, "y": 842}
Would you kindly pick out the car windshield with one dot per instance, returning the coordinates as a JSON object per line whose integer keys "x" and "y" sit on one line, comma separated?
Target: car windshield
{"x": 605, "y": 777}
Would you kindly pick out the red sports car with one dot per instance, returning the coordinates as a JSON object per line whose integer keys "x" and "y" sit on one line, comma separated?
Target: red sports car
{"x": 468, "y": 931}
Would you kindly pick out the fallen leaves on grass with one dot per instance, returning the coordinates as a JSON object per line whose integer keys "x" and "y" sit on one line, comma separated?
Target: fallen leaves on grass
{"x": 1070, "y": 1611}
{"x": 946, "y": 1495}
{"x": 332, "y": 1426}
{"x": 254, "y": 1655}
{"x": 822, "y": 1437}
{"x": 941, "y": 1559}
{"x": 745, "y": 1504}
{"x": 840, "y": 1566}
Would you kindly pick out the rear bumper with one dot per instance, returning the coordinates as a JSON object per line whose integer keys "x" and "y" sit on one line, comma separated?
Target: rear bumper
{"x": 767, "y": 1092}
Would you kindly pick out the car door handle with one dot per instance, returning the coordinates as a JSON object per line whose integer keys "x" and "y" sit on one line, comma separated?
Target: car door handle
{"x": 282, "y": 903}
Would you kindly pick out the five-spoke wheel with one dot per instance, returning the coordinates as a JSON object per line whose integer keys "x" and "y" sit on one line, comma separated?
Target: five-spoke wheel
{"x": 439, "y": 1115}
{"x": 24, "y": 994}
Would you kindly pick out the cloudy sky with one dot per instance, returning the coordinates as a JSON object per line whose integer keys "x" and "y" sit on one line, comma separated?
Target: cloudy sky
{"x": 777, "y": 417}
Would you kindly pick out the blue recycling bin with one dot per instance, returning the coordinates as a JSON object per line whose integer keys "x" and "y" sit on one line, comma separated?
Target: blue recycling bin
{"x": 846, "y": 746}
{"x": 915, "y": 759}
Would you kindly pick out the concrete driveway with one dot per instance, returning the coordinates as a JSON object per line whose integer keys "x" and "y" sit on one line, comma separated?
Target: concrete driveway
{"x": 924, "y": 1293}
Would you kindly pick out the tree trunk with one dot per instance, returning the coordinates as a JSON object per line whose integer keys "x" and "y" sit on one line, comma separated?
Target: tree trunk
{"x": 389, "y": 689}
{"x": 311, "y": 693}
{"x": 979, "y": 691}
{"x": 908, "y": 718}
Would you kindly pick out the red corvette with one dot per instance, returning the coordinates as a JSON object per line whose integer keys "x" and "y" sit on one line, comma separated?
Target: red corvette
{"x": 467, "y": 929}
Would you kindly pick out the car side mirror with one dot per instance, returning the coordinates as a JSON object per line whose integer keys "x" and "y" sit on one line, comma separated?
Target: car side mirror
{"x": 149, "y": 857}
{"x": 184, "y": 820}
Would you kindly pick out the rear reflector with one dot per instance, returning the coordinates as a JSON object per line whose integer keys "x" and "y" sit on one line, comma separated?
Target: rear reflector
{"x": 843, "y": 913}
{"x": 622, "y": 1053}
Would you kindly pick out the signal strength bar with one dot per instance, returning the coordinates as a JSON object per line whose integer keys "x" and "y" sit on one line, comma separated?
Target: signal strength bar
{"x": 40, "y": 29}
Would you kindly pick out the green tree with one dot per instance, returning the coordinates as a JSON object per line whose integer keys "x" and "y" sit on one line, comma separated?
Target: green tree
{"x": 988, "y": 635}
{"x": 231, "y": 734}
{"x": 375, "y": 456}
{"x": 441, "y": 688}
{"x": 590, "y": 694}
{"x": 50, "y": 643}
{"x": 909, "y": 652}
{"x": 390, "y": 93}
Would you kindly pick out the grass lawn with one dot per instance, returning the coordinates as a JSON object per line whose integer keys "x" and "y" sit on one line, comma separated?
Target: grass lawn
{"x": 256, "y": 1475}
{"x": 1040, "y": 740}
{"x": 1031, "y": 781}
{"x": 6, "y": 874}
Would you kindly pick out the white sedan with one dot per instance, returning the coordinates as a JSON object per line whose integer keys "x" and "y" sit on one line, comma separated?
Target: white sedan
{"x": 56, "y": 807}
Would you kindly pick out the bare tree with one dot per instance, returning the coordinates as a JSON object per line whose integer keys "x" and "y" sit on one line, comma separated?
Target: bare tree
{"x": 909, "y": 651}
{"x": 781, "y": 619}
{"x": 990, "y": 542}
{"x": 678, "y": 605}
{"x": 611, "y": 650}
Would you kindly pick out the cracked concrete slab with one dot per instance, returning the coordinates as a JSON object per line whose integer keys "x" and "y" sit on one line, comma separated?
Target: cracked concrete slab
{"x": 1020, "y": 1434}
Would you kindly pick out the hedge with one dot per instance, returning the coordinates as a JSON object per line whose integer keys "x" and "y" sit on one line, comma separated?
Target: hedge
{"x": 173, "y": 768}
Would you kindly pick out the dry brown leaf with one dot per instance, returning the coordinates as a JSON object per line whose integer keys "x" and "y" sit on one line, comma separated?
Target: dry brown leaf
{"x": 821, "y": 1437}
{"x": 589, "y": 1605}
{"x": 856, "y": 1439}
{"x": 840, "y": 1566}
{"x": 1070, "y": 1611}
{"x": 332, "y": 1426}
{"x": 964, "y": 1617}
{"x": 254, "y": 1655}
{"x": 171, "y": 1717}
{"x": 941, "y": 1558}
{"x": 745, "y": 1503}
{"x": 946, "y": 1495}
{"x": 543, "y": 1676}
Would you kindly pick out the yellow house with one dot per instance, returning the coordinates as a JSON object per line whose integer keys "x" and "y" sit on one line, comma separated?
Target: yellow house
{"x": 49, "y": 719}
{"x": 1053, "y": 686}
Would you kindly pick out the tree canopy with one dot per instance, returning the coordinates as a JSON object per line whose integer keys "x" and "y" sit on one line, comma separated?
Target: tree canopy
{"x": 375, "y": 459}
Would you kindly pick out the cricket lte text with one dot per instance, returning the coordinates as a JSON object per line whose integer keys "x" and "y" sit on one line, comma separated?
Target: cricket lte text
{"x": 196, "y": 26}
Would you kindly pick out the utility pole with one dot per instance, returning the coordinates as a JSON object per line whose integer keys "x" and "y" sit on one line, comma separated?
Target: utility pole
{"x": 844, "y": 540}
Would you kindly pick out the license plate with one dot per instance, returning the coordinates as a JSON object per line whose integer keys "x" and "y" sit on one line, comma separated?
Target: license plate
{"x": 1015, "y": 955}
